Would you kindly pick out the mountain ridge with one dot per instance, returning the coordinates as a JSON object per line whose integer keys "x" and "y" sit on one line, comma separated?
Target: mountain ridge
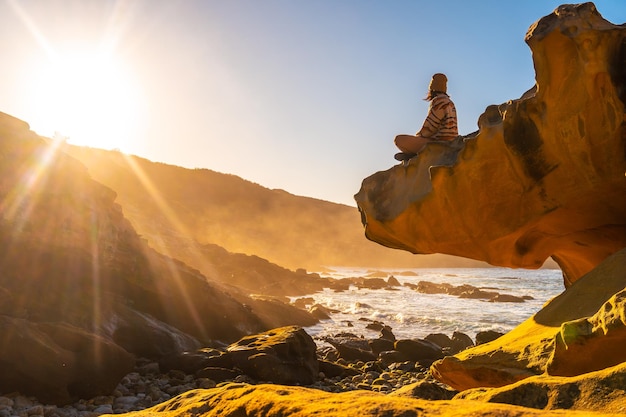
{"x": 243, "y": 216}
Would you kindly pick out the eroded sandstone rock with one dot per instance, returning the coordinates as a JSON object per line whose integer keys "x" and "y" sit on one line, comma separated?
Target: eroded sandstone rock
{"x": 580, "y": 331}
{"x": 544, "y": 176}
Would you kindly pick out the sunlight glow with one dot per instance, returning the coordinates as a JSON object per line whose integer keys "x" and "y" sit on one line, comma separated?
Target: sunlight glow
{"x": 161, "y": 246}
{"x": 82, "y": 90}
{"x": 87, "y": 97}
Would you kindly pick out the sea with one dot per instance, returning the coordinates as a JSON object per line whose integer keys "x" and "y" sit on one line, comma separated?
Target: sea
{"x": 411, "y": 314}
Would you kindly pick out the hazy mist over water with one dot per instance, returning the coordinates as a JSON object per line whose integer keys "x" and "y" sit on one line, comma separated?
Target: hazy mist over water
{"x": 415, "y": 315}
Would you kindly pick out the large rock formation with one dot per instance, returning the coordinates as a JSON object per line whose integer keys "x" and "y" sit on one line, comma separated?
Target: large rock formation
{"x": 238, "y": 400}
{"x": 543, "y": 177}
{"x": 82, "y": 295}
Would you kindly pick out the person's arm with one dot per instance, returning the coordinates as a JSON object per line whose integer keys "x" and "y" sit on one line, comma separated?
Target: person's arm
{"x": 436, "y": 114}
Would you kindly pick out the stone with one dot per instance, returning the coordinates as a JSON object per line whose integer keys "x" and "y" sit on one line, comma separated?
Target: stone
{"x": 285, "y": 355}
{"x": 320, "y": 312}
{"x": 380, "y": 345}
{"x": 64, "y": 361}
{"x": 333, "y": 370}
{"x": 427, "y": 390}
{"x": 542, "y": 178}
{"x": 460, "y": 341}
{"x": 419, "y": 350}
{"x": 192, "y": 362}
{"x": 440, "y": 339}
{"x": 486, "y": 336}
{"x": 218, "y": 374}
{"x": 393, "y": 281}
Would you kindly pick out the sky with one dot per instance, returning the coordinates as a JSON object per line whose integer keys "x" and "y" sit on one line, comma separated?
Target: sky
{"x": 300, "y": 95}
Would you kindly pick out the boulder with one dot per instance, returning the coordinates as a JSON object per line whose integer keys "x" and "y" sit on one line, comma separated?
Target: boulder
{"x": 320, "y": 312}
{"x": 542, "y": 178}
{"x": 283, "y": 356}
{"x": 460, "y": 341}
{"x": 380, "y": 345}
{"x": 419, "y": 350}
{"x": 487, "y": 336}
{"x": 393, "y": 281}
{"x": 58, "y": 363}
{"x": 192, "y": 362}
{"x": 440, "y": 339}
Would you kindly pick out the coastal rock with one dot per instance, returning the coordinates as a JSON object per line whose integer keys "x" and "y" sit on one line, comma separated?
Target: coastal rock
{"x": 380, "y": 345}
{"x": 601, "y": 390}
{"x": 283, "y": 356}
{"x": 57, "y": 361}
{"x": 487, "y": 336}
{"x": 419, "y": 350}
{"x": 426, "y": 390}
{"x": 594, "y": 343}
{"x": 579, "y": 331}
{"x": 355, "y": 349}
{"x": 466, "y": 291}
{"x": 544, "y": 175}
{"x": 85, "y": 293}
{"x": 236, "y": 400}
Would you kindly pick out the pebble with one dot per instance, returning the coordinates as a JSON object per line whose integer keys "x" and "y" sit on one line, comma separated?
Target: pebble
{"x": 147, "y": 387}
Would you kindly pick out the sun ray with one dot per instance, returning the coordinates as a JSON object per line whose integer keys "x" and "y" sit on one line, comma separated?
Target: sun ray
{"x": 172, "y": 217}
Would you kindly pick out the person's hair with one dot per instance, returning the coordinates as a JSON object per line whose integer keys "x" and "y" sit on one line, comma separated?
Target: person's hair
{"x": 432, "y": 94}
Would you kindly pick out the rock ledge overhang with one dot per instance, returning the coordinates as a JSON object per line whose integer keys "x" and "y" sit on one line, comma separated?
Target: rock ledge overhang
{"x": 545, "y": 175}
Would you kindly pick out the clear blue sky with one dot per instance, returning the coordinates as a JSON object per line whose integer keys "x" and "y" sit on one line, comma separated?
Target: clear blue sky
{"x": 300, "y": 95}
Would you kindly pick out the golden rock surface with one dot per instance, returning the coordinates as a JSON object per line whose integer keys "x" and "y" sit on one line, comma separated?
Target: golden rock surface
{"x": 543, "y": 177}
{"x": 580, "y": 331}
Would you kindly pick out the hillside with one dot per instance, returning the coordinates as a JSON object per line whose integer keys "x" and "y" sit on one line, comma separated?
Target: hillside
{"x": 82, "y": 295}
{"x": 173, "y": 206}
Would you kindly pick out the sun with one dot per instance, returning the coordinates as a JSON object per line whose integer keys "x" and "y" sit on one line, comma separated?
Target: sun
{"x": 87, "y": 96}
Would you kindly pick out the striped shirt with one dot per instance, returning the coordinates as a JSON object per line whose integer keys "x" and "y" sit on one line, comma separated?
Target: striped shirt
{"x": 441, "y": 122}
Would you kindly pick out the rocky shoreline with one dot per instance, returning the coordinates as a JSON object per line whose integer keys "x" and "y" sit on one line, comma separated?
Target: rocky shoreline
{"x": 341, "y": 368}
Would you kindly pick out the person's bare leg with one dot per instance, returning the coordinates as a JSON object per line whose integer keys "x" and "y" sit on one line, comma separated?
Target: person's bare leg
{"x": 410, "y": 143}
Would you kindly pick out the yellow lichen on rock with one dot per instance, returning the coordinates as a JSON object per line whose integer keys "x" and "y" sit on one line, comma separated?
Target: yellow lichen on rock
{"x": 238, "y": 400}
{"x": 542, "y": 343}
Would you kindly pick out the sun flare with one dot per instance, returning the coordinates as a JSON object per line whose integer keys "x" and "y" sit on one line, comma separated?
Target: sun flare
{"x": 86, "y": 96}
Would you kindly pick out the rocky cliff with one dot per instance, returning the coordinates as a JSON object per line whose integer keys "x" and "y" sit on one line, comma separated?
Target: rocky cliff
{"x": 543, "y": 177}
{"x": 82, "y": 295}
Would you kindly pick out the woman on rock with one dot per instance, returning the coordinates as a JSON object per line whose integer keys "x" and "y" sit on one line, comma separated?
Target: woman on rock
{"x": 440, "y": 123}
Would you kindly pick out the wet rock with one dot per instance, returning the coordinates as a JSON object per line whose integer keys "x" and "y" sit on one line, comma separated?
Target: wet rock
{"x": 320, "y": 312}
{"x": 487, "y": 336}
{"x": 393, "y": 281}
